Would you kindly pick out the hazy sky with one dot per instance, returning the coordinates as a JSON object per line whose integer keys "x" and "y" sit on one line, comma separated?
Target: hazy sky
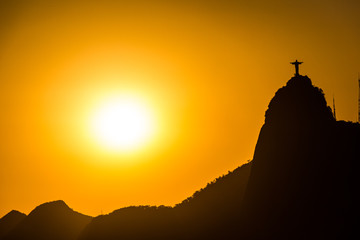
{"x": 208, "y": 69}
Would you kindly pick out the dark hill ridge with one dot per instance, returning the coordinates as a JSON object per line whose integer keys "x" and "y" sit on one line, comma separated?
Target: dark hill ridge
{"x": 52, "y": 220}
{"x": 197, "y": 217}
{"x": 214, "y": 207}
{"x": 303, "y": 179}
{"x": 220, "y": 189}
{"x": 140, "y": 222}
{"x": 9, "y": 221}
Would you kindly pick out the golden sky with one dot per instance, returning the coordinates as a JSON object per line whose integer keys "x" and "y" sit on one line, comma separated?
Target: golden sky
{"x": 206, "y": 70}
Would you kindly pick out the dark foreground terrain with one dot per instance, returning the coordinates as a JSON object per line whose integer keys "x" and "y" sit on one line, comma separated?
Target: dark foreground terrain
{"x": 301, "y": 184}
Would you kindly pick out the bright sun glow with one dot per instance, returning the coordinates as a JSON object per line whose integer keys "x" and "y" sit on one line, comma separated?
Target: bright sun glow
{"x": 123, "y": 123}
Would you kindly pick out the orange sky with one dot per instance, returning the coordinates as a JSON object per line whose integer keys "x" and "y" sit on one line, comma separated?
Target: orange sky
{"x": 207, "y": 68}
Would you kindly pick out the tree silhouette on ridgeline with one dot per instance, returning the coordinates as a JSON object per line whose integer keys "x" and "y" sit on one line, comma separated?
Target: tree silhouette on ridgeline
{"x": 197, "y": 217}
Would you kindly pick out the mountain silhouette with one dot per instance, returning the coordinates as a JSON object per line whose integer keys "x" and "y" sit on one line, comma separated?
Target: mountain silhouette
{"x": 303, "y": 180}
{"x": 9, "y": 221}
{"x": 301, "y": 184}
{"x": 52, "y": 220}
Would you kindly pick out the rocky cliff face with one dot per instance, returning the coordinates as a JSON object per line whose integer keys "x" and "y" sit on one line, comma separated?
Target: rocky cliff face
{"x": 302, "y": 181}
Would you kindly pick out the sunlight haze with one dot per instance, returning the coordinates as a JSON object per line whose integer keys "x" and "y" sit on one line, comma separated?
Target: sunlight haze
{"x": 197, "y": 77}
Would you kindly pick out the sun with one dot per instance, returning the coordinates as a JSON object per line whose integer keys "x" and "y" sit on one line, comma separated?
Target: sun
{"x": 123, "y": 123}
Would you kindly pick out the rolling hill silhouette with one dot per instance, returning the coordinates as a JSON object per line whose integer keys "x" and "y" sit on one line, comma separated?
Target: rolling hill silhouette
{"x": 301, "y": 184}
{"x": 194, "y": 218}
{"x": 52, "y": 220}
{"x": 9, "y": 221}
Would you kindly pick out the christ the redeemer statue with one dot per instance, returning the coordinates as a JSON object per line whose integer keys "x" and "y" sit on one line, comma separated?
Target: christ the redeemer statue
{"x": 296, "y": 63}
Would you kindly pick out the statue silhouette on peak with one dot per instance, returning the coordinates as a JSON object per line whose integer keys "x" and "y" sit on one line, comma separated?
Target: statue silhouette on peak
{"x": 299, "y": 81}
{"x": 296, "y": 63}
